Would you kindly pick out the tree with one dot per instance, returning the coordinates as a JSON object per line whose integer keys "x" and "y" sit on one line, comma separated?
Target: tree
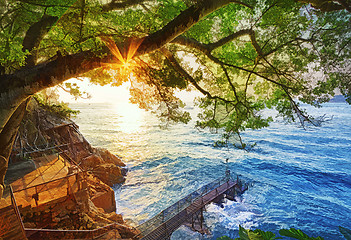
{"x": 243, "y": 56}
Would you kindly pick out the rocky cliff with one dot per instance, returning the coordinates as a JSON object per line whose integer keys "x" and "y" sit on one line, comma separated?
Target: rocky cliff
{"x": 46, "y": 142}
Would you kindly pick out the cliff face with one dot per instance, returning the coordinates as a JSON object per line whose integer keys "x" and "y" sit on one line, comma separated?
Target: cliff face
{"x": 67, "y": 181}
{"x": 42, "y": 131}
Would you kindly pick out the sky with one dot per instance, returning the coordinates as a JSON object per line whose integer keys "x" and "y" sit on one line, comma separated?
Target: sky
{"x": 108, "y": 94}
{"x": 99, "y": 94}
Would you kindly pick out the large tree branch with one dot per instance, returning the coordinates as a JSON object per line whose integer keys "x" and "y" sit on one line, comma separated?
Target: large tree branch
{"x": 180, "y": 24}
{"x": 16, "y": 87}
{"x": 208, "y": 48}
{"x": 346, "y": 4}
{"x": 229, "y": 38}
{"x": 187, "y": 76}
{"x": 255, "y": 44}
{"x": 7, "y": 138}
{"x": 119, "y": 4}
{"x": 328, "y": 6}
{"x": 35, "y": 35}
{"x": 203, "y": 48}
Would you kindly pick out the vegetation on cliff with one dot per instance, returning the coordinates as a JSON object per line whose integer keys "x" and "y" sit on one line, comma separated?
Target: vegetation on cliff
{"x": 46, "y": 127}
{"x": 56, "y": 151}
{"x": 292, "y": 233}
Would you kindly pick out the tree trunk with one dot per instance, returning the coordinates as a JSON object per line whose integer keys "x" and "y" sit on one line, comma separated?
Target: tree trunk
{"x": 7, "y": 138}
{"x": 17, "y": 87}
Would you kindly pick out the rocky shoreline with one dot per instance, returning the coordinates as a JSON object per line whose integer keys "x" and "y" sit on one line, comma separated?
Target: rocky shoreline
{"x": 88, "y": 202}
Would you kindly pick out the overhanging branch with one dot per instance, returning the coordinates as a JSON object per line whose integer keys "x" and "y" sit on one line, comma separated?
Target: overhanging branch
{"x": 187, "y": 76}
{"x": 16, "y": 87}
{"x": 203, "y": 48}
{"x": 119, "y": 5}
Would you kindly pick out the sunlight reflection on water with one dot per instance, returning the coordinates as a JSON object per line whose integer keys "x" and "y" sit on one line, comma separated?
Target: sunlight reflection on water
{"x": 130, "y": 117}
{"x": 301, "y": 178}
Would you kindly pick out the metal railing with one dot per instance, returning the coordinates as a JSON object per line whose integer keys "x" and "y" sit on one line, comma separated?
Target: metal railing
{"x": 75, "y": 234}
{"x": 18, "y": 215}
{"x": 179, "y": 206}
{"x": 73, "y": 182}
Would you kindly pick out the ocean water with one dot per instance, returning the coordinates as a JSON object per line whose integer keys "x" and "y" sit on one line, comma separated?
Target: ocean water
{"x": 300, "y": 178}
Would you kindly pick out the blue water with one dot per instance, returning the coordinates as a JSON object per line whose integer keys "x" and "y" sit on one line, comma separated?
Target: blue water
{"x": 300, "y": 178}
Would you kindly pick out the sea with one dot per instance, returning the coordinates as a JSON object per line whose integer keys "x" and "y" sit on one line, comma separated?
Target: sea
{"x": 298, "y": 178}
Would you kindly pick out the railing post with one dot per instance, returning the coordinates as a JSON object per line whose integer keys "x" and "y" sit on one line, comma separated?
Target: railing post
{"x": 77, "y": 181}
{"x": 67, "y": 179}
{"x": 36, "y": 196}
{"x": 18, "y": 215}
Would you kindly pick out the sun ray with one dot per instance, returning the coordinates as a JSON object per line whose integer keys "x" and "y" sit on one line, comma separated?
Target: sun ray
{"x": 113, "y": 48}
{"x": 133, "y": 47}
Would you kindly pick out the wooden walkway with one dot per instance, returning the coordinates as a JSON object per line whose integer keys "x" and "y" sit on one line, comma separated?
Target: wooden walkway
{"x": 166, "y": 228}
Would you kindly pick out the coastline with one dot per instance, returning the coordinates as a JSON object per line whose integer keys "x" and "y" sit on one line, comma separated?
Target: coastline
{"x": 68, "y": 186}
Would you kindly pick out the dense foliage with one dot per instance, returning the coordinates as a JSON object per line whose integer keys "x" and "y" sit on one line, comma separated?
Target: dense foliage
{"x": 244, "y": 57}
{"x": 292, "y": 233}
{"x": 61, "y": 109}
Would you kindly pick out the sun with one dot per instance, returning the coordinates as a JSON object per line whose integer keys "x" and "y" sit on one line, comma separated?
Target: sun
{"x": 124, "y": 64}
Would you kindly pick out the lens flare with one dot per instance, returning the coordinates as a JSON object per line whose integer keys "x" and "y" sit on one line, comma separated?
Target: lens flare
{"x": 125, "y": 65}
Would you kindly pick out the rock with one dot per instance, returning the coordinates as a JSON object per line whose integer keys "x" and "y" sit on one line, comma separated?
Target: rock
{"x": 91, "y": 161}
{"x": 115, "y": 217}
{"x": 29, "y": 225}
{"x": 64, "y": 218}
{"x": 90, "y": 225}
{"x": 78, "y": 211}
{"x": 62, "y": 214}
{"x": 85, "y": 218}
{"x": 114, "y": 234}
{"x": 124, "y": 171}
{"x": 109, "y": 173}
{"x": 1, "y": 190}
{"x": 18, "y": 169}
{"x": 108, "y": 157}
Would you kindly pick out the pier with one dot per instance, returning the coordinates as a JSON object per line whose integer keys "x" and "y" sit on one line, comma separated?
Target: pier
{"x": 59, "y": 179}
{"x": 189, "y": 210}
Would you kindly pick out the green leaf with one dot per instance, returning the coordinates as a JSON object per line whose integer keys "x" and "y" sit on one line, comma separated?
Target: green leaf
{"x": 224, "y": 238}
{"x": 255, "y": 235}
{"x": 346, "y": 232}
{"x": 297, "y": 234}
{"x": 267, "y": 235}
{"x": 243, "y": 234}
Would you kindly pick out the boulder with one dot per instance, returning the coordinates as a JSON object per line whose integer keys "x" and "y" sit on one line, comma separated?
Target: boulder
{"x": 109, "y": 173}
{"x": 116, "y": 217}
{"x": 91, "y": 161}
{"x": 108, "y": 157}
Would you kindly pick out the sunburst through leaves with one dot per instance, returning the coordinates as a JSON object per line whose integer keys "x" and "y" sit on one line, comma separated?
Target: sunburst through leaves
{"x": 124, "y": 64}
